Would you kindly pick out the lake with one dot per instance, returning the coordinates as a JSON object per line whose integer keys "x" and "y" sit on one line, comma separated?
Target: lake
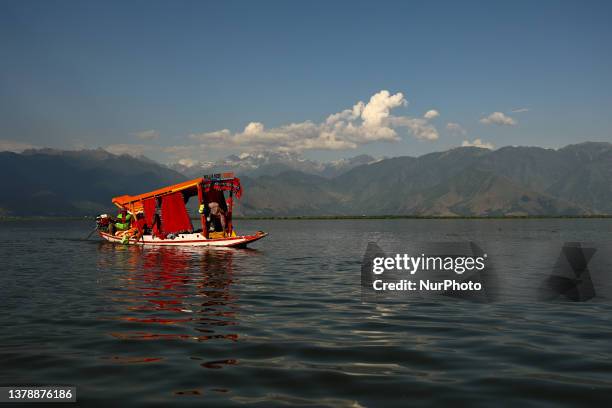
{"x": 283, "y": 323}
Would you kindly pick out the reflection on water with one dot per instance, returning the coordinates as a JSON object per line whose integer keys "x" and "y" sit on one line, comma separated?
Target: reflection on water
{"x": 172, "y": 294}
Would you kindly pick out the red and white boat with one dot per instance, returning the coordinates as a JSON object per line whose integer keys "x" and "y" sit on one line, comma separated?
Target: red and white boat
{"x": 193, "y": 240}
{"x": 160, "y": 217}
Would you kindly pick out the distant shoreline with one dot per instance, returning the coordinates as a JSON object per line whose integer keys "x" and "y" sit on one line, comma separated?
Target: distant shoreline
{"x": 339, "y": 217}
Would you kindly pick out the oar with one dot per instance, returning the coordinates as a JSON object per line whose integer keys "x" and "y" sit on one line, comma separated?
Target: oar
{"x": 94, "y": 230}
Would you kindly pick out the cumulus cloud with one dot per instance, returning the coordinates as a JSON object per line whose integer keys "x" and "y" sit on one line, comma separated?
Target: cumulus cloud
{"x": 498, "y": 118}
{"x": 477, "y": 143}
{"x": 14, "y": 146}
{"x": 431, "y": 114}
{"x": 150, "y": 134}
{"x": 419, "y": 128}
{"x": 379, "y": 107}
{"x": 456, "y": 128}
{"x": 362, "y": 123}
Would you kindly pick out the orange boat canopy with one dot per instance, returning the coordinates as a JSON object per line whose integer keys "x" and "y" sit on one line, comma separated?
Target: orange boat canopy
{"x": 218, "y": 182}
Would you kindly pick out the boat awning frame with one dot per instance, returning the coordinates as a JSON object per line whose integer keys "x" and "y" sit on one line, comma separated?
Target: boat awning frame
{"x": 221, "y": 181}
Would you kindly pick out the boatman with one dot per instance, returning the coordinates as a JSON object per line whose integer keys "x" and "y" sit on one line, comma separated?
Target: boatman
{"x": 216, "y": 221}
{"x": 121, "y": 223}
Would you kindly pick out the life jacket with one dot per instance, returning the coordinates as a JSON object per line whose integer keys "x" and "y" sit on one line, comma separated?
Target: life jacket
{"x": 128, "y": 217}
{"x": 123, "y": 223}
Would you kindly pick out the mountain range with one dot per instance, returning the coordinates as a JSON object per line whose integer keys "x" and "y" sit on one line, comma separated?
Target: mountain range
{"x": 58, "y": 183}
{"x": 465, "y": 181}
{"x": 270, "y": 163}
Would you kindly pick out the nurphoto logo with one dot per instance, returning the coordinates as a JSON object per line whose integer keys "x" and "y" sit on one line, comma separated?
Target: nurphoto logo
{"x": 457, "y": 269}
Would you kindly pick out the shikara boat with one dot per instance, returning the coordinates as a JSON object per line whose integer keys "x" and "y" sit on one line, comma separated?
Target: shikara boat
{"x": 160, "y": 217}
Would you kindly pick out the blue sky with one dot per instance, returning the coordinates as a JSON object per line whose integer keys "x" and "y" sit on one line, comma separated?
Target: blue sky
{"x": 199, "y": 80}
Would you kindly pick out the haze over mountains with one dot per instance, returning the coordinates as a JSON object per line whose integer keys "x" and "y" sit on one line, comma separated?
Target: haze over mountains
{"x": 466, "y": 181}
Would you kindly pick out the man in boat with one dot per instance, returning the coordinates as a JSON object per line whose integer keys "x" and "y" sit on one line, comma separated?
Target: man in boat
{"x": 156, "y": 226}
{"x": 121, "y": 223}
{"x": 141, "y": 226}
{"x": 215, "y": 220}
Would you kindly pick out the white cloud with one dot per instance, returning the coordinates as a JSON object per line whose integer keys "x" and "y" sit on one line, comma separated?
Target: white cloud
{"x": 520, "y": 110}
{"x": 188, "y": 162}
{"x": 478, "y": 143}
{"x": 14, "y": 146}
{"x": 363, "y": 123}
{"x": 419, "y": 128}
{"x": 150, "y": 134}
{"x": 254, "y": 128}
{"x": 456, "y": 128}
{"x": 379, "y": 108}
{"x": 498, "y": 118}
{"x": 431, "y": 114}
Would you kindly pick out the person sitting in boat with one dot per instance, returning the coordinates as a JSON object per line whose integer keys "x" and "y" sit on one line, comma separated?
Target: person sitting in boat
{"x": 215, "y": 221}
{"x": 156, "y": 224}
{"x": 141, "y": 226}
{"x": 121, "y": 223}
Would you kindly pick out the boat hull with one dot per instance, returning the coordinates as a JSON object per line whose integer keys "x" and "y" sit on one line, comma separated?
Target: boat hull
{"x": 191, "y": 240}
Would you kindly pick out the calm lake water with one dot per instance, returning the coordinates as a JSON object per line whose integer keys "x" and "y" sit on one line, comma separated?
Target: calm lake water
{"x": 283, "y": 323}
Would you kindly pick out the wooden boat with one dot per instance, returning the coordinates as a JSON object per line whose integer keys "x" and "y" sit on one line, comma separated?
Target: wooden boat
{"x": 194, "y": 239}
{"x": 160, "y": 217}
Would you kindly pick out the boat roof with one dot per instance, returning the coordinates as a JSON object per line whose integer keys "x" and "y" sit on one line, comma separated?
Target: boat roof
{"x": 190, "y": 188}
